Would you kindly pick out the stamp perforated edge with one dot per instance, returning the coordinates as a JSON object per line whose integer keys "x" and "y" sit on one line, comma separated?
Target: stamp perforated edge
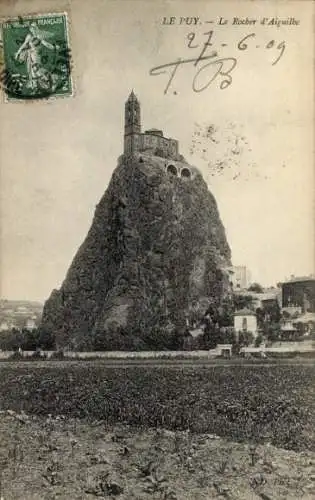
{"x": 52, "y": 97}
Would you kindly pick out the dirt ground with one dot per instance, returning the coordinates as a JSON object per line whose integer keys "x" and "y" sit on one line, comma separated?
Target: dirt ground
{"x": 60, "y": 458}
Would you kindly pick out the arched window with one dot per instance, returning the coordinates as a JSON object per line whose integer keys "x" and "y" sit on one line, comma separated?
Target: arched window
{"x": 171, "y": 169}
{"x": 244, "y": 324}
{"x": 186, "y": 173}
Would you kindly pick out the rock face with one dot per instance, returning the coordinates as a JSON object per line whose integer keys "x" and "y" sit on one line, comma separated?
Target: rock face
{"x": 153, "y": 259}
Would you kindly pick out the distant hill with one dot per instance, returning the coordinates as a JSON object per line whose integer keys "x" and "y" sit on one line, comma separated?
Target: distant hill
{"x": 19, "y": 313}
{"x": 4, "y": 303}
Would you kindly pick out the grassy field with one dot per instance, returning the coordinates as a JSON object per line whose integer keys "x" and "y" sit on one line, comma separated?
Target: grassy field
{"x": 85, "y": 430}
{"x": 273, "y": 404}
{"x": 45, "y": 458}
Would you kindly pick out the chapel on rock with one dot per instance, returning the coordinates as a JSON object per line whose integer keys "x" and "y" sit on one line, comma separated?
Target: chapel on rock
{"x": 151, "y": 141}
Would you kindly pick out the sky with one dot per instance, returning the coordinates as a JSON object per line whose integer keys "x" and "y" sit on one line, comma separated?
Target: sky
{"x": 252, "y": 141}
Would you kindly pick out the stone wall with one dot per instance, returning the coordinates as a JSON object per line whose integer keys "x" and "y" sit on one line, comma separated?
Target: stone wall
{"x": 165, "y": 147}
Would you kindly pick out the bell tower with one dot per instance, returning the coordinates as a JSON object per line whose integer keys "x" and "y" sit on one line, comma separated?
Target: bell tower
{"x": 132, "y": 115}
{"x": 132, "y": 123}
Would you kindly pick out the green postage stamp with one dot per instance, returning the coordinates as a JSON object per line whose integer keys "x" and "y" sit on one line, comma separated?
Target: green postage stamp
{"x": 36, "y": 57}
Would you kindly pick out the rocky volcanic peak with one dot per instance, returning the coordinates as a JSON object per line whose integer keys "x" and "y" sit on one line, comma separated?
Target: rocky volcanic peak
{"x": 153, "y": 258}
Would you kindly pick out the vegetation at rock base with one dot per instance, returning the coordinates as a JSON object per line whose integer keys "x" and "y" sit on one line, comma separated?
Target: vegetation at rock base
{"x": 261, "y": 403}
{"x": 27, "y": 340}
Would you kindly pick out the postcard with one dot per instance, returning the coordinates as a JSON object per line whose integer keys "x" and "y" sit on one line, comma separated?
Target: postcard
{"x": 157, "y": 313}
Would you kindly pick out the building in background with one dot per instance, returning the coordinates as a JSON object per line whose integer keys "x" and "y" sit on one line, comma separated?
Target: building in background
{"x": 6, "y": 325}
{"x": 245, "y": 321}
{"x": 305, "y": 323}
{"x": 30, "y": 323}
{"x": 16, "y": 314}
{"x": 269, "y": 298}
{"x": 288, "y": 330}
{"x": 240, "y": 277}
{"x": 299, "y": 292}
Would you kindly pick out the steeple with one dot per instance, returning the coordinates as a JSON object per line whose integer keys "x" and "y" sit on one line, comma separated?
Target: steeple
{"x": 132, "y": 97}
{"x": 132, "y": 115}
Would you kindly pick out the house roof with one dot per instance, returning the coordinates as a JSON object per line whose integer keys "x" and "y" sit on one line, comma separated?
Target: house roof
{"x": 244, "y": 312}
{"x": 298, "y": 279}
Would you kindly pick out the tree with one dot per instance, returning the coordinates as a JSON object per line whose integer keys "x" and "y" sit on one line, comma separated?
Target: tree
{"x": 273, "y": 311}
{"x": 29, "y": 339}
{"x": 211, "y": 336}
{"x": 260, "y": 315}
{"x": 245, "y": 338}
{"x": 242, "y": 301}
{"x": 258, "y": 340}
{"x": 160, "y": 339}
{"x": 11, "y": 340}
{"x": 218, "y": 323}
{"x": 227, "y": 335}
{"x": 226, "y": 312}
{"x": 272, "y": 331}
{"x": 46, "y": 339}
{"x": 256, "y": 287}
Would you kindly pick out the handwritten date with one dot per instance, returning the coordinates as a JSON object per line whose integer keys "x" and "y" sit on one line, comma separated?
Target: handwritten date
{"x": 218, "y": 68}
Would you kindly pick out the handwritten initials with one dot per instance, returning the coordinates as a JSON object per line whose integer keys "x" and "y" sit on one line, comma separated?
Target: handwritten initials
{"x": 222, "y": 67}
